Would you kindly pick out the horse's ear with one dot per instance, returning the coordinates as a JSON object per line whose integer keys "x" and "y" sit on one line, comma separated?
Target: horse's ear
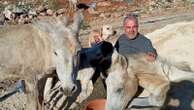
{"x": 77, "y": 21}
{"x": 107, "y": 48}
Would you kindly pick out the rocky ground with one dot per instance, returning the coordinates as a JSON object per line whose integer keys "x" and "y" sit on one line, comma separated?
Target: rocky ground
{"x": 153, "y": 14}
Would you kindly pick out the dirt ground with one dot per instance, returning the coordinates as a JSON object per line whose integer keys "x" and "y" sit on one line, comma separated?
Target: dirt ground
{"x": 148, "y": 23}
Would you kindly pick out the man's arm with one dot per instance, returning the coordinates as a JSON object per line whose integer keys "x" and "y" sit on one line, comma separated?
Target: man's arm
{"x": 152, "y": 53}
{"x": 151, "y": 56}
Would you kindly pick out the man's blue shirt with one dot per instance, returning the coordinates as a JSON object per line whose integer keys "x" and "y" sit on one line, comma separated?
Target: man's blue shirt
{"x": 139, "y": 44}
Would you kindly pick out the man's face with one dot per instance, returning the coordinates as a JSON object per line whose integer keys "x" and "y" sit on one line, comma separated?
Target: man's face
{"x": 131, "y": 28}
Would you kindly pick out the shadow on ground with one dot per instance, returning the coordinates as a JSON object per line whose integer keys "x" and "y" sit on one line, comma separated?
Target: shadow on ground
{"x": 180, "y": 96}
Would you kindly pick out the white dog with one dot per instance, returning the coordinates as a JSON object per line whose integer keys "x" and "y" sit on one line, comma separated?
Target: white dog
{"x": 106, "y": 33}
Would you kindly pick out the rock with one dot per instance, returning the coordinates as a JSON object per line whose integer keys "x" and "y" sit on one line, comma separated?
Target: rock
{"x": 105, "y": 3}
{"x": 32, "y": 12}
{"x": 18, "y": 9}
{"x": 105, "y": 15}
{"x": 42, "y": 13}
{"x": 116, "y": 15}
{"x": 20, "y": 3}
{"x": 8, "y": 14}
{"x": 5, "y": 3}
{"x": 60, "y": 11}
{"x": 21, "y": 20}
{"x": 40, "y": 9}
{"x": 92, "y": 11}
{"x": 118, "y": 0}
{"x": 49, "y": 12}
{"x": 102, "y": 15}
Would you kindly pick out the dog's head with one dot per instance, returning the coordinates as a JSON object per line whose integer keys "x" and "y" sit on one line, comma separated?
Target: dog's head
{"x": 107, "y": 31}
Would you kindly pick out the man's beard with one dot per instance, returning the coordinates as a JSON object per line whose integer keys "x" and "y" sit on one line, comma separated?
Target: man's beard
{"x": 132, "y": 35}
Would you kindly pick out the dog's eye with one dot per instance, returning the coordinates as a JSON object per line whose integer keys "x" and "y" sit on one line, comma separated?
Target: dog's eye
{"x": 108, "y": 28}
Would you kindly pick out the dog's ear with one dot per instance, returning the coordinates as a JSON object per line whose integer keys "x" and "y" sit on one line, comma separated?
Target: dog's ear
{"x": 106, "y": 48}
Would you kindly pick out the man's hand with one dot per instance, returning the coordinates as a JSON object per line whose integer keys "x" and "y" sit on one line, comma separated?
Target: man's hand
{"x": 151, "y": 57}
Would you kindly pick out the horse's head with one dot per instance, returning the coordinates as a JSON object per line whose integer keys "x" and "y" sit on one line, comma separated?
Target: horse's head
{"x": 65, "y": 45}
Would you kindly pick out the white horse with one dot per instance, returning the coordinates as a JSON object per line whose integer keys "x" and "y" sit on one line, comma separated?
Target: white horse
{"x": 33, "y": 51}
{"x": 90, "y": 59}
{"x": 174, "y": 42}
{"x": 126, "y": 73}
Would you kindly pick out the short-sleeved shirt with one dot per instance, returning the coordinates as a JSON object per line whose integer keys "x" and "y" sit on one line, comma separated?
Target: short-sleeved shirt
{"x": 139, "y": 44}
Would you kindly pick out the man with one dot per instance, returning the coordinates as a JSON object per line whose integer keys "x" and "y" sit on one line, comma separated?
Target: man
{"x": 132, "y": 42}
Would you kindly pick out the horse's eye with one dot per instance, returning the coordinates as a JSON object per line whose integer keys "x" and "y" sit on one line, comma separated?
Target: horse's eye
{"x": 55, "y": 53}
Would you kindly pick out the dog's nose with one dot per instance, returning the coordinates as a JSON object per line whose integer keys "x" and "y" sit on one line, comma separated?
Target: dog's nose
{"x": 114, "y": 32}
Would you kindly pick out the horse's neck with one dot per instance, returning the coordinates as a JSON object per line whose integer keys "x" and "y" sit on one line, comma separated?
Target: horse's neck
{"x": 119, "y": 59}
